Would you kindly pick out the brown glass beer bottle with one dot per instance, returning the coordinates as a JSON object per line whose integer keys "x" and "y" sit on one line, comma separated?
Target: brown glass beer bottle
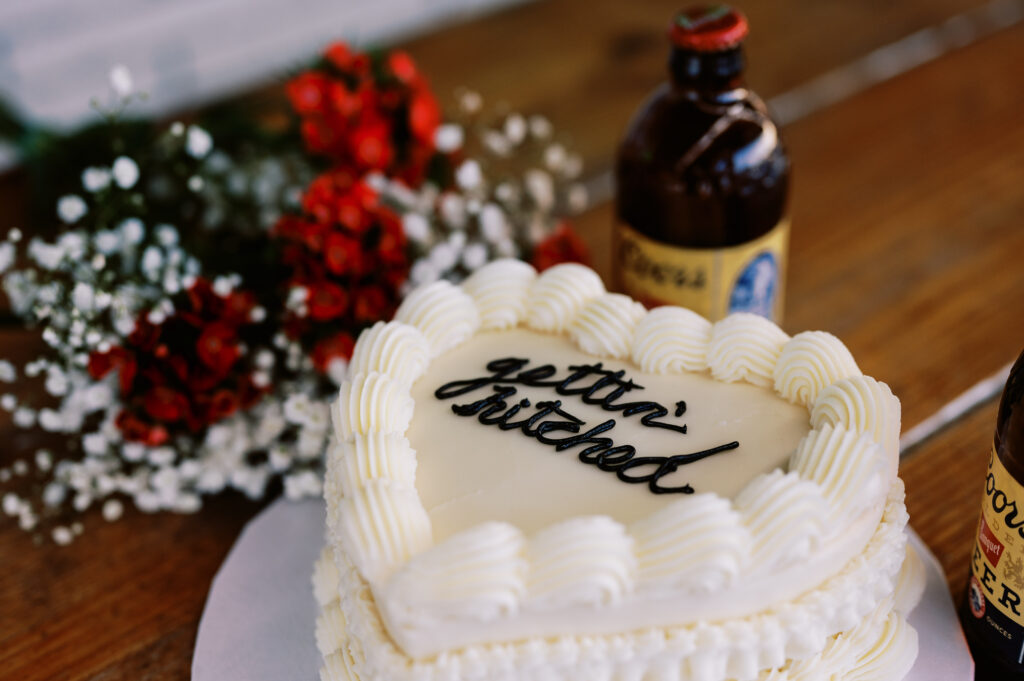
{"x": 992, "y": 612}
{"x": 702, "y": 180}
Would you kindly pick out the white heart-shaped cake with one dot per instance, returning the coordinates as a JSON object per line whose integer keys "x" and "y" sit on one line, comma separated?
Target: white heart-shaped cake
{"x": 533, "y": 478}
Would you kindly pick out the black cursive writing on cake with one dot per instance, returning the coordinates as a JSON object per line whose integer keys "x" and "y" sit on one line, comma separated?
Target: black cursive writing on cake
{"x": 553, "y": 425}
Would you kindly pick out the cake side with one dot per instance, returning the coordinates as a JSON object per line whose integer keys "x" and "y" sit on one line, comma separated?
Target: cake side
{"x": 854, "y": 620}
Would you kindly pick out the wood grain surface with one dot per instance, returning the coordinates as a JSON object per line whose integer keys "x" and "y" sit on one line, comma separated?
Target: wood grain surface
{"x": 907, "y": 240}
{"x": 945, "y": 481}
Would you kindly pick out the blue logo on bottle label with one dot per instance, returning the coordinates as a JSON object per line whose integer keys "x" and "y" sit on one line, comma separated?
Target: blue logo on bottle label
{"x": 757, "y": 286}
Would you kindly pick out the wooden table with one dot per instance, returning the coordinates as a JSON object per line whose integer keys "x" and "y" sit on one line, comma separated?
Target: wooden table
{"x": 907, "y": 210}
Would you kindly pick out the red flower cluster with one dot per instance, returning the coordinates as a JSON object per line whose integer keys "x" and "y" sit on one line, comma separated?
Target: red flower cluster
{"x": 368, "y": 112}
{"x": 348, "y": 251}
{"x": 562, "y": 245}
{"x": 185, "y": 371}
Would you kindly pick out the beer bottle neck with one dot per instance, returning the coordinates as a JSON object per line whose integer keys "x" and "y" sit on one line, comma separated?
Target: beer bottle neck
{"x": 714, "y": 71}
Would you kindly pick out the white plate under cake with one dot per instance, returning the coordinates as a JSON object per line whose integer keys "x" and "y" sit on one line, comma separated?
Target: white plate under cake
{"x": 532, "y": 478}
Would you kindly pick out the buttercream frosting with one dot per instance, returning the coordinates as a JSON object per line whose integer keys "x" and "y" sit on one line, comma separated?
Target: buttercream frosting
{"x": 745, "y": 347}
{"x": 557, "y": 296}
{"x": 443, "y": 312}
{"x": 499, "y": 290}
{"x": 446, "y": 552}
{"x": 672, "y": 340}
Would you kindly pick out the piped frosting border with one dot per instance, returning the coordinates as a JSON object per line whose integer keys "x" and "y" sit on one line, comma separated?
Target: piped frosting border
{"x": 852, "y": 621}
{"x": 694, "y": 545}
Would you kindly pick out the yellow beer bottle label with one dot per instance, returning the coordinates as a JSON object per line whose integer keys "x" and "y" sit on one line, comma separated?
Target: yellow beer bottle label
{"x": 711, "y": 281}
{"x": 996, "y": 590}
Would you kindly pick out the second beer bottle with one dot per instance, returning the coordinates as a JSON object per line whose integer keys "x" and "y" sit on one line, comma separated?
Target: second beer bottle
{"x": 702, "y": 181}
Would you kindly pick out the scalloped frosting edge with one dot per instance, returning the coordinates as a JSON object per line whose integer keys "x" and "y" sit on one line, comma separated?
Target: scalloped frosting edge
{"x": 849, "y": 623}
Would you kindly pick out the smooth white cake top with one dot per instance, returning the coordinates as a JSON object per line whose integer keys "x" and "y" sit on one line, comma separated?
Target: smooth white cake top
{"x": 468, "y": 472}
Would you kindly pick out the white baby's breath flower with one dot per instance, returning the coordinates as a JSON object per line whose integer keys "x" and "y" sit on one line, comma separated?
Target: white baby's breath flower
{"x": 73, "y": 244}
{"x": 51, "y": 420}
{"x": 54, "y": 494}
{"x": 540, "y": 127}
{"x": 468, "y": 175}
{"x": 493, "y": 223}
{"x": 6, "y": 256}
{"x": 223, "y": 286}
{"x": 95, "y": 179}
{"x": 8, "y": 374}
{"x": 83, "y": 297}
{"x": 106, "y": 242}
{"x": 94, "y": 444}
{"x": 337, "y": 371}
{"x": 24, "y": 417}
{"x": 457, "y": 240}
{"x": 554, "y": 157}
{"x": 198, "y": 142}
{"x": 11, "y": 504}
{"x": 166, "y": 235}
{"x": 195, "y": 183}
{"x": 297, "y": 408}
{"x": 416, "y": 227}
{"x": 572, "y": 167}
{"x": 132, "y": 231}
{"x": 112, "y": 510}
{"x": 152, "y": 262}
{"x": 497, "y": 143}
{"x": 443, "y": 256}
{"x": 56, "y": 382}
{"x": 474, "y": 256}
{"x": 71, "y": 208}
{"x": 448, "y": 138}
{"x": 121, "y": 80}
{"x": 453, "y": 210}
{"x": 577, "y": 198}
{"x": 177, "y": 128}
{"x": 541, "y": 188}
{"x": 62, "y": 536}
{"x": 470, "y": 102}
{"x": 8, "y": 402}
{"x": 126, "y": 172}
{"x": 515, "y": 128}
{"x": 423, "y": 271}
{"x": 506, "y": 248}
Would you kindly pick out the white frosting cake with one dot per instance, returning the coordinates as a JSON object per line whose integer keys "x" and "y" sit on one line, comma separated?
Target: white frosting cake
{"x": 532, "y": 478}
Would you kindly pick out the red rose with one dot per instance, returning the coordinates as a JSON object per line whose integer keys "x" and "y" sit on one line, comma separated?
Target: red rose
{"x": 339, "y": 345}
{"x": 562, "y": 245}
{"x": 102, "y": 363}
{"x": 318, "y": 137}
{"x": 217, "y": 347}
{"x": 402, "y": 66}
{"x": 224, "y": 403}
{"x": 371, "y": 304}
{"x": 343, "y": 254}
{"x": 371, "y": 144}
{"x": 306, "y": 92}
{"x": 166, "y": 405}
{"x": 326, "y": 301}
{"x": 424, "y": 117}
{"x": 136, "y": 430}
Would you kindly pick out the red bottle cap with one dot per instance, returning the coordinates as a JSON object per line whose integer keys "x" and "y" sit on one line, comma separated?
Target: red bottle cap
{"x": 708, "y": 28}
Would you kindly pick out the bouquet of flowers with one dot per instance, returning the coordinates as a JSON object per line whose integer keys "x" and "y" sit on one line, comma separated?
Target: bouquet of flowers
{"x": 199, "y": 301}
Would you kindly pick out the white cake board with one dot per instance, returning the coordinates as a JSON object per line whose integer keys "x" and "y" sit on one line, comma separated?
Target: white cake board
{"x": 258, "y": 621}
